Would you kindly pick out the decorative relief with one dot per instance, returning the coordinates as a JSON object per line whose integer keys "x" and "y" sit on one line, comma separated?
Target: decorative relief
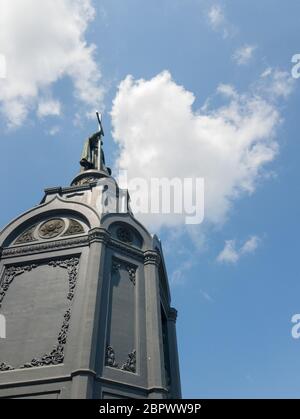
{"x": 9, "y": 276}
{"x": 5, "y": 367}
{"x": 111, "y": 357}
{"x": 124, "y": 235}
{"x": 74, "y": 228}
{"x": 27, "y": 236}
{"x": 72, "y": 267}
{"x": 129, "y": 365}
{"x": 51, "y": 228}
{"x": 85, "y": 181}
{"x": 118, "y": 264}
{"x": 56, "y": 356}
{"x": 132, "y": 273}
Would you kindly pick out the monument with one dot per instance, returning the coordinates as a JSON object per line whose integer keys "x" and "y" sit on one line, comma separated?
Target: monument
{"x": 85, "y": 295}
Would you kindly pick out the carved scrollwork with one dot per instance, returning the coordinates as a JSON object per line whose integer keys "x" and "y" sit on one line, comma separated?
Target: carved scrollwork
{"x": 132, "y": 273}
{"x": 131, "y": 269}
{"x": 129, "y": 365}
{"x": 72, "y": 267}
{"x": 27, "y": 236}
{"x": 9, "y": 275}
{"x": 111, "y": 357}
{"x": 5, "y": 367}
{"x": 74, "y": 228}
{"x": 56, "y": 356}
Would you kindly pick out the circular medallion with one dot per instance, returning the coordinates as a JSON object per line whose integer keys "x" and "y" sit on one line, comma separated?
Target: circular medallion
{"x": 124, "y": 235}
{"x": 51, "y": 228}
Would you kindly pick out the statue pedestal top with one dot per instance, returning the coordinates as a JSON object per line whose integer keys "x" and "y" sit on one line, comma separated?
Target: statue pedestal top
{"x": 89, "y": 176}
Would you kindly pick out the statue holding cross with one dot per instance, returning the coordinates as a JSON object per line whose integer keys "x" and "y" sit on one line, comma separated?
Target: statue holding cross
{"x": 92, "y": 156}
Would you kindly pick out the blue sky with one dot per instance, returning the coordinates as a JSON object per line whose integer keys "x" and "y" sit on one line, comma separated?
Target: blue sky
{"x": 234, "y": 324}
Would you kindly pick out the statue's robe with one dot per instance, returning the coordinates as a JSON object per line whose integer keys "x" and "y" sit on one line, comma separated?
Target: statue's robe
{"x": 89, "y": 156}
{"x": 89, "y": 153}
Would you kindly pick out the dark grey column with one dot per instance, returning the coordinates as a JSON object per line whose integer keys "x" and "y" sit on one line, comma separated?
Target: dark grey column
{"x": 155, "y": 357}
{"x": 173, "y": 351}
{"x": 82, "y": 386}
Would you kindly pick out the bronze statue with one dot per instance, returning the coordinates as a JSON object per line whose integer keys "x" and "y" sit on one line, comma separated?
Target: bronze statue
{"x": 90, "y": 158}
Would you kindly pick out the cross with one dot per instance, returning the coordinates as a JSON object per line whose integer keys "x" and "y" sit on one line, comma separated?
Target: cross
{"x": 99, "y": 117}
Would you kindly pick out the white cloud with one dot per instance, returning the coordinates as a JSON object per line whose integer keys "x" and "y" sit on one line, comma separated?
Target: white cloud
{"x": 218, "y": 21}
{"x": 53, "y": 130}
{"x": 277, "y": 83}
{"x": 159, "y": 133}
{"x": 180, "y": 275}
{"x": 2, "y": 66}
{"x": 49, "y": 108}
{"x": 216, "y": 16}
{"x": 244, "y": 54}
{"x": 231, "y": 254}
{"x": 206, "y": 296}
{"x": 44, "y": 41}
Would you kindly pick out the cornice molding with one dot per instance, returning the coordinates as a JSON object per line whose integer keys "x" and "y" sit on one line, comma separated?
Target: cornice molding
{"x": 151, "y": 257}
{"x": 33, "y": 248}
{"x": 99, "y": 235}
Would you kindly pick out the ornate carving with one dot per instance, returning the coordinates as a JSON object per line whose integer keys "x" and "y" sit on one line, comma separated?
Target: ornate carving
{"x": 74, "y": 228}
{"x": 130, "y": 364}
{"x": 9, "y": 252}
{"x": 27, "y": 236}
{"x": 72, "y": 267}
{"x": 56, "y": 356}
{"x": 116, "y": 266}
{"x": 124, "y": 235}
{"x": 9, "y": 276}
{"x": 62, "y": 337}
{"x": 5, "y": 367}
{"x": 131, "y": 269}
{"x": 85, "y": 181}
{"x": 132, "y": 273}
{"x": 51, "y": 228}
{"x": 111, "y": 358}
